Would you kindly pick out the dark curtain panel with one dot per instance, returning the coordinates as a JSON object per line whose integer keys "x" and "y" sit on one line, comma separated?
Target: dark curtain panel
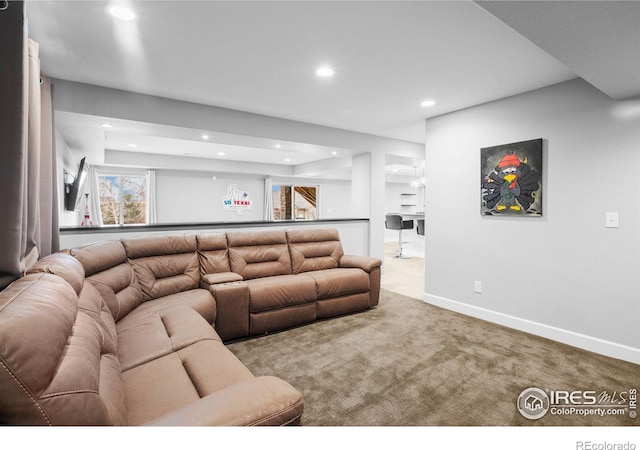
{"x": 28, "y": 200}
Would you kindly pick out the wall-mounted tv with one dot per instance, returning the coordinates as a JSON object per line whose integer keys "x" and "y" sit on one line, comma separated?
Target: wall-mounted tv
{"x": 73, "y": 191}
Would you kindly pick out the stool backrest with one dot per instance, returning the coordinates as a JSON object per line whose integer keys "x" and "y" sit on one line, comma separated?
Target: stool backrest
{"x": 393, "y": 221}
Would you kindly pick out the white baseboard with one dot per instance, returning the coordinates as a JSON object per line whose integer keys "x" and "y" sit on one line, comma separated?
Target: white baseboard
{"x": 582, "y": 341}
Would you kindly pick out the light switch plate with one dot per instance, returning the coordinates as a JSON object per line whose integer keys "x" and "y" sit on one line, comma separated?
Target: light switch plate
{"x": 612, "y": 220}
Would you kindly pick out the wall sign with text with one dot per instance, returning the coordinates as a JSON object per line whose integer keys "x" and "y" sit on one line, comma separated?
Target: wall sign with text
{"x": 236, "y": 199}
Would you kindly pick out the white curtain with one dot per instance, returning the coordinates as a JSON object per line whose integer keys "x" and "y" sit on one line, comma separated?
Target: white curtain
{"x": 152, "y": 212}
{"x": 94, "y": 198}
{"x": 268, "y": 199}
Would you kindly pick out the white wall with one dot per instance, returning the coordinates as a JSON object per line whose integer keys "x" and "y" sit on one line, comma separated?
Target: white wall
{"x": 394, "y": 198}
{"x": 335, "y": 199}
{"x": 563, "y": 275}
{"x": 185, "y": 196}
{"x": 195, "y": 197}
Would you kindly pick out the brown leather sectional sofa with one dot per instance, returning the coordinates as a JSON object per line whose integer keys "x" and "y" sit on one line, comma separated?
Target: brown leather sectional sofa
{"x": 132, "y": 332}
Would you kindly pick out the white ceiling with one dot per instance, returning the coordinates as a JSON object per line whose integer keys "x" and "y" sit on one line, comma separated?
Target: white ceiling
{"x": 260, "y": 57}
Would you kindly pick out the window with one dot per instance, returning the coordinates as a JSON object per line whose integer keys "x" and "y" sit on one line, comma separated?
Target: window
{"x": 295, "y": 202}
{"x": 123, "y": 199}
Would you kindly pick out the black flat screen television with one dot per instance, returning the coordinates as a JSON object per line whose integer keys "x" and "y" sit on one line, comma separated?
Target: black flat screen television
{"x": 74, "y": 190}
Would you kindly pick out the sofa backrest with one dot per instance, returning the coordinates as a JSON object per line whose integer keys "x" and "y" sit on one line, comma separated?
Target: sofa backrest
{"x": 314, "y": 249}
{"x": 75, "y": 378}
{"x": 257, "y": 254}
{"x": 63, "y": 265}
{"x": 164, "y": 264}
{"x": 106, "y": 267}
{"x": 212, "y": 253}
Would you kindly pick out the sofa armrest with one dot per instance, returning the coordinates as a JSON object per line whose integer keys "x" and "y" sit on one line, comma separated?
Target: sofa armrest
{"x": 262, "y": 400}
{"x": 365, "y": 263}
{"x": 372, "y": 267}
{"x": 218, "y": 278}
{"x": 232, "y": 305}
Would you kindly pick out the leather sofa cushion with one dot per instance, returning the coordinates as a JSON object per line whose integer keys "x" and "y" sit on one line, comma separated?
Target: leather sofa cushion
{"x": 106, "y": 267}
{"x": 280, "y": 291}
{"x": 257, "y": 255}
{"x": 264, "y": 400}
{"x": 164, "y": 265}
{"x": 47, "y": 304}
{"x": 65, "y": 266}
{"x": 120, "y": 289}
{"x": 110, "y": 387}
{"x": 316, "y": 249}
{"x": 200, "y": 300}
{"x": 147, "y": 336}
{"x": 159, "y": 245}
{"x": 75, "y": 380}
{"x": 220, "y": 278}
{"x": 178, "y": 379}
{"x": 339, "y": 282}
{"x": 100, "y": 256}
{"x": 213, "y": 253}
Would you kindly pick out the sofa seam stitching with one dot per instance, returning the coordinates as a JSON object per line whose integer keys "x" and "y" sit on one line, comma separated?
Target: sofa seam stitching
{"x": 73, "y": 391}
{"x": 26, "y": 391}
{"x": 271, "y": 416}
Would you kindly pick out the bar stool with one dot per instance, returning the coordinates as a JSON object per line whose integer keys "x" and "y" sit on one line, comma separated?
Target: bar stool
{"x": 395, "y": 222}
{"x": 420, "y": 227}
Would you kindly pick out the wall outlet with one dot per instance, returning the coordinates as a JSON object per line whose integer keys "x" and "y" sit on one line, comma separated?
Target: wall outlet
{"x": 477, "y": 287}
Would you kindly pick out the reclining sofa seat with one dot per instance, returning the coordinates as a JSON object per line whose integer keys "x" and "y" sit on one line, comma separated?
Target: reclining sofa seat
{"x": 277, "y": 298}
{"x": 343, "y": 284}
{"x": 289, "y": 278}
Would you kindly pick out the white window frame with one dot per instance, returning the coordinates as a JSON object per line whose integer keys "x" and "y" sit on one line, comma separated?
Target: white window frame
{"x": 293, "y": 186}
{"x": 120, "y": 174}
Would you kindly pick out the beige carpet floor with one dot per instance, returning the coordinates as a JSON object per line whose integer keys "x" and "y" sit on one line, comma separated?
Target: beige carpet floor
{"x": 408, "y": 363}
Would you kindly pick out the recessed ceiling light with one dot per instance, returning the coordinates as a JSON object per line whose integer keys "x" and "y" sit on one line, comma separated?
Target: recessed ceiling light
{"x": 325, "y": 72}
{"x": 334, "y": 152}
{"x": 427, "y": 103}
{"x": 205, "y": 137}
{"x": 287, "y": 159}
{"x": 133, "y": 145}
{"x": 107, "y": 125}
{"x": 278, "y": 146}
{"x": 220, "y": 153}
{"x": 121, "y": 12}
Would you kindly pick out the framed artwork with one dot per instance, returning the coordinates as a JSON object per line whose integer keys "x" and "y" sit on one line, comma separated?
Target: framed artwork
{"x": 511, "y": 179}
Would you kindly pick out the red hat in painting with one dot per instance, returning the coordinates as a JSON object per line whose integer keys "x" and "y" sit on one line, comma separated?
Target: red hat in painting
{"x": 509, "y": 160}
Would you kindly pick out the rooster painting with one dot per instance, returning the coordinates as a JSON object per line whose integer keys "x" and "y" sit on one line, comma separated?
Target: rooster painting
{"x": 512, "y": 184}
